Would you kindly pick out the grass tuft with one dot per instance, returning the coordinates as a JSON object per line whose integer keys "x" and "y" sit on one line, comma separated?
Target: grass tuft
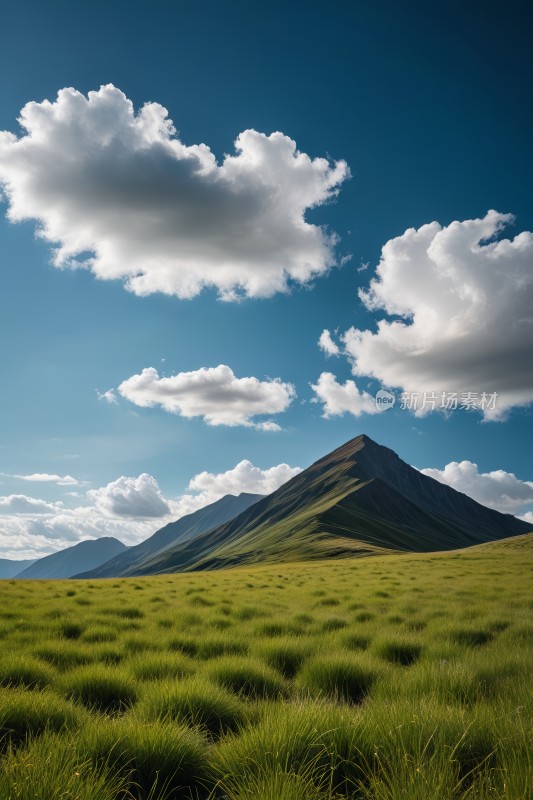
{"x": 28, "y": 672}
{"x": 24, "y": 713}
{"x": 285, "y": 655}
{"x": 50, "y": 767}
{"x": 195, "y": 702}
{"x": 398, "y": 651}
{"x": 342, "y": 678}
{"x": 161, "y": 760}
{"x": 100, "y": 687}
{"x": 247, "y": 677}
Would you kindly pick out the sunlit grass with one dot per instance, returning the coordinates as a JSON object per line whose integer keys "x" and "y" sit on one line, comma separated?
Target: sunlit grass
{"x": 385, "y": 678}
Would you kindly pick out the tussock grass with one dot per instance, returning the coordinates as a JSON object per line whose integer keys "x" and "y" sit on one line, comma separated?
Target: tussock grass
{"x": 286, "y": 655}
{"x": 159, "y": 760}
{"x": 159, "y": 666}
{"x": 314, "y": 740}
{"x": 50, "y": 767}
{"x": 100, "y": 687}
{"x": 246, "y": 676}
{"x": 64, "y": 655}
{"x": 71, "y": 630}
{"x": 28, "y": 672}
{"x": 356, "y": 641}
{"x": 195, "y": 702}
{"x": 386, "y": 678}
{"x": 344, "y": 678}
{"x": 398, "y": 651}
{"x": 24, "y": 713}
{"x": 472, "y": 637}
{"x": 99, "y": 634}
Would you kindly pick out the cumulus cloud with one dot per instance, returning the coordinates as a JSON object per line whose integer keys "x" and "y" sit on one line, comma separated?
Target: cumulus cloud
{"x": 244, "y": 477}
{"x": 45, "y": 477}
{"x": 130, "y": 497}
{"x": 528, "y": 517}
{"x": 340, "y": 398}
{"x": 327, "y": 345}
{"x": 500, "y": 490}
{"x": 117, "y": 192}
{"x": 215, "y": 394}
{"x": 22, "y": 504}
{"x": 464, "y": 298}
{"x": 129, "y": 508}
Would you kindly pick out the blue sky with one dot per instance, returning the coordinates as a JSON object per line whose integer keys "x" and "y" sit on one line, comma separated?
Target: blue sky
{"x": 428, "y": 109}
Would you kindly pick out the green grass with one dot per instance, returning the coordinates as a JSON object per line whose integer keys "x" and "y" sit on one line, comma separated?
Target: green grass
{"x": 100, "y": 688}
{"x": 160, "y": 759}
{"x": 195, "y": 702}
{"x": 246, "y": 677}
{"x": 382, "y": 678}
{"x": 50, "y": 767}
{"x": 24, "y": 714}
{"x": 344, "y": 678}
{"x": 28, "y": 672}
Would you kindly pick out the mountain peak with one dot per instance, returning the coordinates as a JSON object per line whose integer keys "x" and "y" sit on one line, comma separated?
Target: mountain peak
{"x": 360, "y": 498}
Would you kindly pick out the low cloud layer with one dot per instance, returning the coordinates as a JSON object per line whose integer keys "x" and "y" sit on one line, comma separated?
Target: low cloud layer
{"x": 464, "y": 299}
{"x": 45, "y": 477}
{"x": 117, "y": 192}
{"x": 215, "y": 394}
{"x": 242, "y": 478}
{"x": 129, "y": 508}
{"x": 341, "y": 398}
{"x": 500, "y": 490}
{"x": 130, "y": 497}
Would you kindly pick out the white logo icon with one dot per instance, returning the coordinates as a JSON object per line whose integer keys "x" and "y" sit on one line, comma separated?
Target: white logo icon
{"x": 384, "y": 400}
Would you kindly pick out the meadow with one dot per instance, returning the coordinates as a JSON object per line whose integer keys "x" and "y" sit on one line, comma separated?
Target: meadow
{"x": 395, "y": 677}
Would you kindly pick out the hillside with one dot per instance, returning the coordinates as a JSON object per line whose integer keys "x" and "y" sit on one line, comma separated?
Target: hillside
{"x": 10, "y": 568}
{"x": 88, "y": 554}
{"x": 174, "y": 533}
{"x": 360, "y": 499}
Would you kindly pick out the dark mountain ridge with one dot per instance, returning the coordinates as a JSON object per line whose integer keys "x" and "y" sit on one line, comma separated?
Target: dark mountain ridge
{"x": 174, "y": 533}
{"x": 360, "y": 498}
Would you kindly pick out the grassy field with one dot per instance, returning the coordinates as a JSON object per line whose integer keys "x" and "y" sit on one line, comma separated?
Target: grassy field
{"x": 386, "y": 678}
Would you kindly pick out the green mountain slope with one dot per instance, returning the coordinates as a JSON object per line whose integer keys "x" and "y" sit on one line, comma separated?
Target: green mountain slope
{"x": 185, "y": 528}
{"x": 360, "y": 499}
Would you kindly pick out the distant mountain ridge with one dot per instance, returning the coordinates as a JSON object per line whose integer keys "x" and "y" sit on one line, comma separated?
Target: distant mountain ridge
{"x": 361, "y": 498}
{"x": 9, "y": 567}
{"x": 65, "y": 563}
{"x": 185, "y": 528}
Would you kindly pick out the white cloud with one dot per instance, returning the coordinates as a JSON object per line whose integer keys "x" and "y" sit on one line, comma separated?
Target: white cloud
{"x": 130, "y": 497}
{"x": 327, "y": 345}
{"x": 45, "y": 477}
{"x": 528, "y": 517}
{"x": 118, "y": 193}
{"x": 131, "y": 509}
{"x": 340, "y": 398}
{"x": 465, "y": 302}
{"x": 215, "y": 394}
{"x": 242, "y": 478}
{"x": 22, "y": 504}
{"x": 500, "y": 490}
{"x": 109, "y": 397}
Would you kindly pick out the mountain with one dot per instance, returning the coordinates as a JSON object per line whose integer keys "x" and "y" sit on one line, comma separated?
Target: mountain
{"x": 65, "y": 563}
{"x": 174, "y": 533}
{"x": 9, "y": 568}
{"x": 359, "y": 499}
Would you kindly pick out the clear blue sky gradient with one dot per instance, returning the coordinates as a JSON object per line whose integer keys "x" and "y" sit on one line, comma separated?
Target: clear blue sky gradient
{"x": 430, "y": 105}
